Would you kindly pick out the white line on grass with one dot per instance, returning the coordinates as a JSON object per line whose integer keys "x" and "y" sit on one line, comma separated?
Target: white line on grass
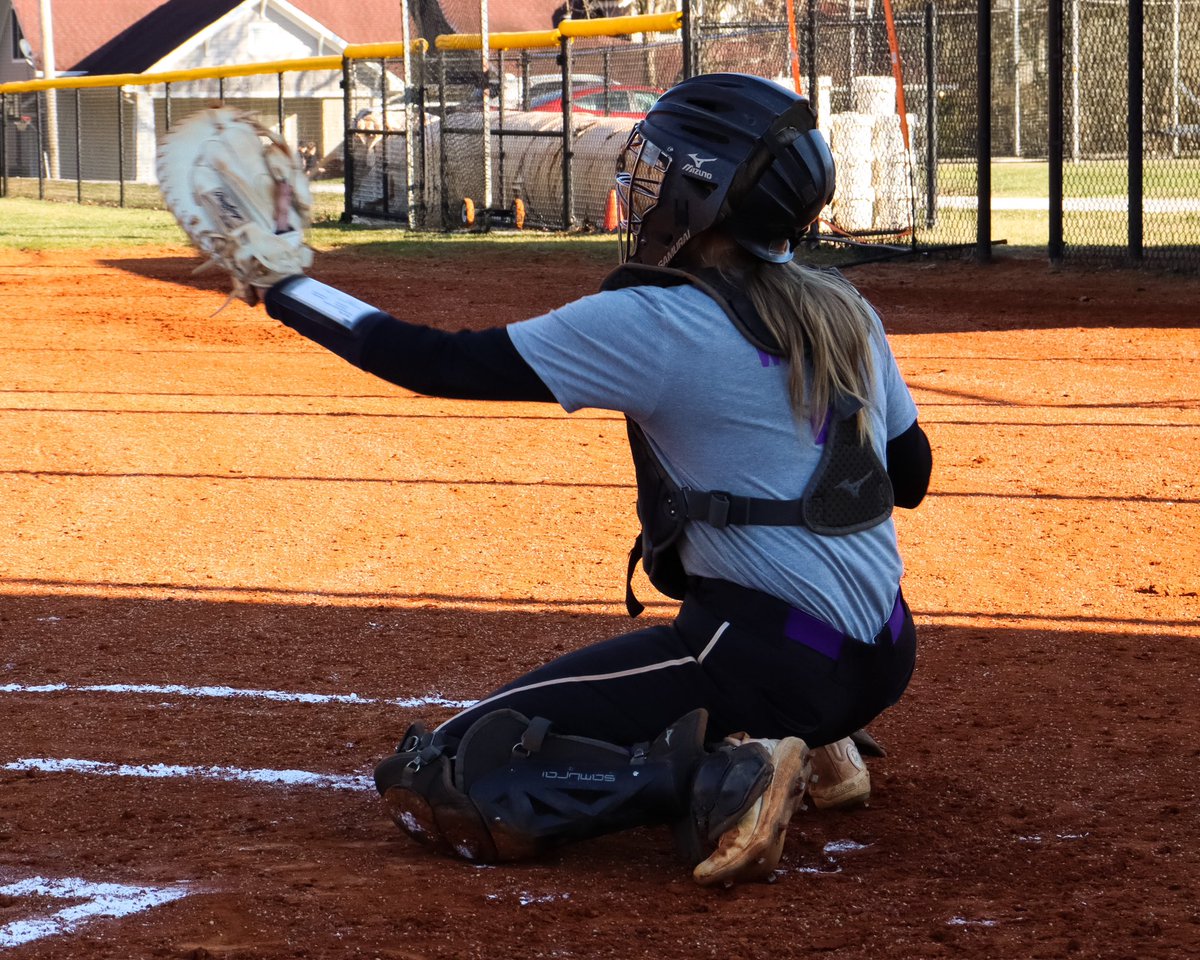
{"x": 99, "y": 900}
{"x": 219, "y": 691}
{"x": 164, "y": 771}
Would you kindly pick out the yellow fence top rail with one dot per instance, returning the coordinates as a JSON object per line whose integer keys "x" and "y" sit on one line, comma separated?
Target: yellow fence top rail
{"x": 173, "y": 76}
{"x": 618, "y": 26}
{"x": 599, "y": 27}
{"x": 522, "y": 40}
{"x": 382, "y": 51}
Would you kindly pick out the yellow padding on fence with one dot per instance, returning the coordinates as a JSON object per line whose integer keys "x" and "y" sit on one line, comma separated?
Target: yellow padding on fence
{"x": 382, "y": 51}
{"x": 616, "y": 26}
{"x": 173, "y": 76}
{"x": 600, "y": 27}
{"x": 525, "y": 39}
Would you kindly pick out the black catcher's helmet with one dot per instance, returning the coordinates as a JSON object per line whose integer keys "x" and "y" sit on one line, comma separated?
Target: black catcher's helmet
{"x": 723, "y": 148}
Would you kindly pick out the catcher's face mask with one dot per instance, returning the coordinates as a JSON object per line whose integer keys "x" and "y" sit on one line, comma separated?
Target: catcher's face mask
{"x": 641, "y": 168}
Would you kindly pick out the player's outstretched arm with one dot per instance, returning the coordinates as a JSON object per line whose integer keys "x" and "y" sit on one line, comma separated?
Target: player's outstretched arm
{"x": 468, "y": 365}
{"x": 240, "y": 193}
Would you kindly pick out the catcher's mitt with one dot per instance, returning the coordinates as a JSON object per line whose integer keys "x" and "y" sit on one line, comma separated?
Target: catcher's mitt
{"x": 240, "y": 193}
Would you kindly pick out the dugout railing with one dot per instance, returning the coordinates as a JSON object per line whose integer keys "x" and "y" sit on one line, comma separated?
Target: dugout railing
{"x": 396, "y": 132}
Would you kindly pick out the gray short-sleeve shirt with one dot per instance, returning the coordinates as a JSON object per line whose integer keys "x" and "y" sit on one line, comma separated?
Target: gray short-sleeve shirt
{"x": 717, "y": 411}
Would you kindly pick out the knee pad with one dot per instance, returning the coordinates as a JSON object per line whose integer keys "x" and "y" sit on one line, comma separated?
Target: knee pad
{"x": 420, "y": 796}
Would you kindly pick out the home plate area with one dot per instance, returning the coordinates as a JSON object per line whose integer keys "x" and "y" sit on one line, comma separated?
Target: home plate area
{"x": 236, "y": 569}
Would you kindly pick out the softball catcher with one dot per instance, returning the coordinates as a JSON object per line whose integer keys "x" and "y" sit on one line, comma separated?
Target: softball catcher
{"x": 772, "y": 436}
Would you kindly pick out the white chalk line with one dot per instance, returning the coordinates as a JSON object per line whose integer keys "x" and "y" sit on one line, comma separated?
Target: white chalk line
{"x": 159, "y": 771}
{"x": 167, "y": 771}
{"x": 99, "y": 900}
{"x": 225, "y": 692}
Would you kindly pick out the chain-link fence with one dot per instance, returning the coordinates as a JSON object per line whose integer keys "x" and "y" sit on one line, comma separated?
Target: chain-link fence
{"x": 380, "y": 156}
{"x": 99, "y": 144}
{"x": 557, "y": 112}
{"x": 401, "y": 136}
{"x": 1109, "y": 211}
{"x": 898, "y": 156}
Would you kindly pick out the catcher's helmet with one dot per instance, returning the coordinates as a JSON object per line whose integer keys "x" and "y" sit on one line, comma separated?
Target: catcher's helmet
{"x": 725, "y": 149}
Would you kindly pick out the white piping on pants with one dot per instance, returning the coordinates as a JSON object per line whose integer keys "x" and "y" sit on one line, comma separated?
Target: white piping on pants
{"x": 597, "y": 676}
{"x": 713, "y": 642}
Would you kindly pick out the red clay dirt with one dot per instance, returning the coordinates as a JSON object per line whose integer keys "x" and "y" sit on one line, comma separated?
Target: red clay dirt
{"x": 198, "y": 502}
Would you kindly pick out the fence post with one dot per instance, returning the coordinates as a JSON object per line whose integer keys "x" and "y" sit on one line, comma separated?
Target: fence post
{"x": 931, "y": 116}
{"x": 485, "y": 68}
{"x": 167, "y": 104}
{"x": 567, "y": 117}
{"x": 347, "y": 145}
{"x": 983, "y": 152}
{"x": 445, "y": 211}
{"x": 500, "y": 111}
{"x": 385, "y": 142}
{"x": 1054, "y": 43}
{"x": 689, "y": 64}
{"x": 606, "y": 73}
{"x": 812, "y": 51}
{"x": 279, "y": 102}
{"x": 37, "y": 118}
{"x": 1137, "y": 107}
{"x": 78, "y": 151}
{"x": 3, "y": 144}
{"x": 121, "y": 143}
{"x": 410, "y": 190}
{"x": 37, "y": 99}
{"x": 418, "y": 215}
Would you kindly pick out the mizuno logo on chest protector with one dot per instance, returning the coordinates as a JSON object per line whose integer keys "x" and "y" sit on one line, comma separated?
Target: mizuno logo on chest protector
{"x": 853, "y": 486}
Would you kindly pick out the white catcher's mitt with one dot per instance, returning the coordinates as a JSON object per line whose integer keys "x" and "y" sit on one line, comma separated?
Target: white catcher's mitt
{"x": 240, "y": 193}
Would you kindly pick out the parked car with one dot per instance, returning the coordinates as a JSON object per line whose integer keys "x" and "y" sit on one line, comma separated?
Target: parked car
{"x": 633, "y": 102}
{"x": 550, "y": 84}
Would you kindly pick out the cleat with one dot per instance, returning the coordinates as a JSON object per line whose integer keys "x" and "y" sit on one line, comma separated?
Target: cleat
{"x": 750, "y": 850}
{"x": 840, "y": 778}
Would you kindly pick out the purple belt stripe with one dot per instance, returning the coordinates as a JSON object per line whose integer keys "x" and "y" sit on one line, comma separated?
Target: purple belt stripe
{"x": 818, "y": 635}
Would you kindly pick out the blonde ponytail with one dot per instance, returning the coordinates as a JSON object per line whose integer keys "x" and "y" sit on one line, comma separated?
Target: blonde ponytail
{"x": 816, "y": 309}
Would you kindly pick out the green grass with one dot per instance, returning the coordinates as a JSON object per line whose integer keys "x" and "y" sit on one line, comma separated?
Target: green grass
{"x": 1091, "y": 178}
{"x": 38, "y": 225}
{"x": 26, "y": 222}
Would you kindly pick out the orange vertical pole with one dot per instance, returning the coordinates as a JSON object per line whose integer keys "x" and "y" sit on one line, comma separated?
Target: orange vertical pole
{"x": 897, "y": 71}
{"x": 794, "y": 45}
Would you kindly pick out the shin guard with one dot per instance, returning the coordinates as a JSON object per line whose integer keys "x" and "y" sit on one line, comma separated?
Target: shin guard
{"x": 514, "y": 789}
{"x": 535, "y": 789}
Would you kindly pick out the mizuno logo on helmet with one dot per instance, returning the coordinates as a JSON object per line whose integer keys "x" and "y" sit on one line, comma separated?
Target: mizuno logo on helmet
{"x": 695, "y": 168}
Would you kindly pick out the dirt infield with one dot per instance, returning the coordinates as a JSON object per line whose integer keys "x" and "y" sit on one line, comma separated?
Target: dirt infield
{"x": 237, "y": 568}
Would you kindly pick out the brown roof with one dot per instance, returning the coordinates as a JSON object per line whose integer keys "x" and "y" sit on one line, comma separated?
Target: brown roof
{"x": 80, "y": 26}
{"x": 127, "y": 36}
{"x": 503, "y": 15}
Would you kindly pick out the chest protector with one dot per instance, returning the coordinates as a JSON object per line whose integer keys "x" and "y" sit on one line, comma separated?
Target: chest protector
{"x": 849, "y": 490}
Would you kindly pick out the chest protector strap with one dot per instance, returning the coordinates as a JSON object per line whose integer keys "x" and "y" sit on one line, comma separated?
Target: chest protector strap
{"x": 849, "y": 491}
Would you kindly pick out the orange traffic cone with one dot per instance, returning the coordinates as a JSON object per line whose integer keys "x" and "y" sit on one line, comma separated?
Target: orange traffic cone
{"x": 610, "y": 211}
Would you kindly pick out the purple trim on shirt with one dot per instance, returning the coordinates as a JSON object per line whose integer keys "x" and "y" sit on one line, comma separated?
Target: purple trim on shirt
{"x": 896, "y": 620}
{"x": 768, "y": 360}
{"x": 823, "y": 433}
